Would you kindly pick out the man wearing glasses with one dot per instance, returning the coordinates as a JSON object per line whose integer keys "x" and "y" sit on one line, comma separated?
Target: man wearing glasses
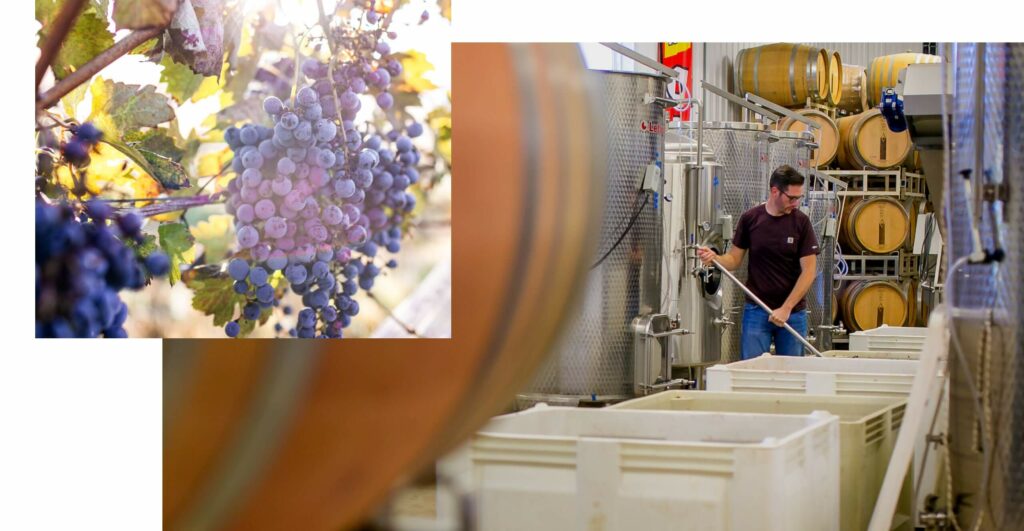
{"x": 783, "y": 257}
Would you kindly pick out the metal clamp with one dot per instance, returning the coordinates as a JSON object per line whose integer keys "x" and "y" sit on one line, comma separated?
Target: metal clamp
{"x": 678, "y": 383}
{"x": 741, "y": 102}
{"x": 754, "y": 98}
{"x": 652, "y": 358}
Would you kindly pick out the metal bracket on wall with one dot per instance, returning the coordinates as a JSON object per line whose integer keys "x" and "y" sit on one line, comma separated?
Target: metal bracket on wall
{"x": 773, "y": 116}
{"x": 643, "y": 59}
{"x": 753, "y": 98}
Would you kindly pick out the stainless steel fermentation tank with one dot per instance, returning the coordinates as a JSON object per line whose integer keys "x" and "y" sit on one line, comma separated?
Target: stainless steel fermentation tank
{"x": 692, "y": 216}
{"x": 737, "y": 157}
{"x": 594, "y": 360}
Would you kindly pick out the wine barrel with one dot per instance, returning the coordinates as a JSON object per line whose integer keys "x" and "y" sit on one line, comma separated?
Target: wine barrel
{"x": 854, "y": 96}
{"x": 835, "y": 78}
{"x": 827, "y": 137}
{"x": 783, "y": 73}
{"x": 835, "y": 308}
{"x": 912, "y": 212}
{"x": 865, "y": 141}
{"x": 913, "y": 161}
{"x": 293, "y": 434}
{"x": 913, "y": 303}
{"x": 877, "y": 225}
{"x": 868, "y": 304}
{"x": 884, "y": 71}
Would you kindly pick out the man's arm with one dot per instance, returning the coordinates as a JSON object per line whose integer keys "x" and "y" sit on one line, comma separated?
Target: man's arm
{"x": 730, "y": 260}
{"x": 808, "y": 265}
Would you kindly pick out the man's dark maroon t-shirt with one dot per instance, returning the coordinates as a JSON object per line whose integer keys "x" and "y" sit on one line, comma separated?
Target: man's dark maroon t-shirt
{"x": 774, "y": 247}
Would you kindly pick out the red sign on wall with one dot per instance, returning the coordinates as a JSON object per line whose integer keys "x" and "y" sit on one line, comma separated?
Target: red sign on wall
{"x": 678, "y": 55}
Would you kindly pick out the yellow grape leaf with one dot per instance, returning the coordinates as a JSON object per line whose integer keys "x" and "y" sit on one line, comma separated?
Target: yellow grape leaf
{"x": 245, "y": 46}
{"x": 110, "y": 174}
{"x": 384, "y": 6}
{"x": 216, "y": 233}
{"x": 210, "y": 164}
{"x": 138, "y": 14}
{"x": 207, "y": 88}
{"x": 178, "y": 243}
{"x": 118, "y": 108}
{"x": 440, "y": 121}
{"x": 414, "y": 65}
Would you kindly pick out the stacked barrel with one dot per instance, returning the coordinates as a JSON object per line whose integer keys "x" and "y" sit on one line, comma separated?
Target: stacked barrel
{"x": 881, "y": 168}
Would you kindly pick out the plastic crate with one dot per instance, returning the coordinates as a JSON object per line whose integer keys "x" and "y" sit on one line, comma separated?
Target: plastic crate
{"x": 873, "y": 354}
{"x": 569, "y": 468}
{"x": 898, "y": 338}
{"x": 868, "y": 427}
{"x": 817, "y": 376}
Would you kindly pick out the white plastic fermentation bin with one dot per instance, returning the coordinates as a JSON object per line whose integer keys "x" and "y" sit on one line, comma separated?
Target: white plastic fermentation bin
{"x": 868, "y": 427}
{"x": 873, "y": 354}
{"x": 816, "y": 376}
{"x": 885, "y": 337}
{"x": 570, "y": 468}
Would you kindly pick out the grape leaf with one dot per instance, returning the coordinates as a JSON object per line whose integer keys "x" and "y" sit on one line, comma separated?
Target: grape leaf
{"x": 440, "y": 121}
{"x": 73, "y": 98}
{"x": 138, "y": 14}
{"x": 245, "y": 327}
{"x": 87, "y": 38}
{"x": 182, "y": 83}
{"x": 102, "y": 6}
{"x": 414, "y": 65}
{"x": 215, "y": 295}
{"x": 142, "y": 249}
{"x": 163, "y": 170}
{"x": 155, "y": 141}
{"x": 216, "y": 234}
{"x": 162, "y": 155}
{"x": 178, "y": 243}
{"x": 118, "y": 107}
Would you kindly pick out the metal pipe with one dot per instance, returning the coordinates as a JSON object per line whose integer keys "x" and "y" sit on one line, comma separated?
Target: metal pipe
{"x": 740, "y": 101}
{"x": 753, "y": 98}
{"x": 643, "y": 59}
{"x": 766, "y": 308}
{"x": 978, "y": 180}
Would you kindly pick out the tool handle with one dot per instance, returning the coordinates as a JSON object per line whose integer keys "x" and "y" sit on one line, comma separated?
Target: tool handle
{"x": 766, "y": 308}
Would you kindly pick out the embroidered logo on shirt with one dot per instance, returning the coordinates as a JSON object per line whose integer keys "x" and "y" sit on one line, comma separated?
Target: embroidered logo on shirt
{"x": 789, "y": 240}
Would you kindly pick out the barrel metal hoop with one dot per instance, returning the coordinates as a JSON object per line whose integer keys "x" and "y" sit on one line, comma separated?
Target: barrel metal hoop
{"x": 757, "y": 63}
{"x": 812, "y": 72}
{"x": 737, "y": 72}
{"x": 792, "y": 74}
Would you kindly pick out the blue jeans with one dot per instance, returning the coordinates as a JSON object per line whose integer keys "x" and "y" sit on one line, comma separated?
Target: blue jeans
{"x": 758, "y": 333}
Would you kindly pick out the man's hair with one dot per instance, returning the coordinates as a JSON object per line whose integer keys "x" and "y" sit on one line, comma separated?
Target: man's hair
{"x": 783, "y": 176}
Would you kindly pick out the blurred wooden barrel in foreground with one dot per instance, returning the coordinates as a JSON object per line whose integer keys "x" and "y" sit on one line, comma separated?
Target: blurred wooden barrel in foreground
{"x": 295, "y": 434}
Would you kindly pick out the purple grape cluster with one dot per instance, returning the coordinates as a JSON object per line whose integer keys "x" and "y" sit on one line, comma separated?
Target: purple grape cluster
{"x": 315, "y": 197}
{"x": 82, "y": 263}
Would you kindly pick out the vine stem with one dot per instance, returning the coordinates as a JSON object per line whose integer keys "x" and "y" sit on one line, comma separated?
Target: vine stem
{"x": 174, "y": 205}
{"x": 325, "y": 25}
{"x": 61, "y": 27}
{"x": 410, "y": 330}
{"x": 121, "y": 47}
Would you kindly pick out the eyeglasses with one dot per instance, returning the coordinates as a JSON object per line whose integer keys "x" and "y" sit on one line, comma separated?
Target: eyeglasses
{"x": 792, "y": 198}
